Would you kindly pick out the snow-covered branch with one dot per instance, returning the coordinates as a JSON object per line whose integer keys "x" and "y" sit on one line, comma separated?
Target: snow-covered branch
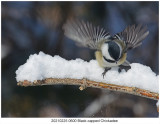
{"x": 43, "y": 69}
{"x": 84, "y": 83}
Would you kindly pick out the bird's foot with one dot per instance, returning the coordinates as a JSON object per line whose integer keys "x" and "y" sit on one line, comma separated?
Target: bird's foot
{"x": 126, "y": 68}
{"x": 106, "y": 69}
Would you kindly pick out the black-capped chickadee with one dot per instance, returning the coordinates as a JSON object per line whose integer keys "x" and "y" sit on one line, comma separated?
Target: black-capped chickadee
{"x": 111, "y": 50}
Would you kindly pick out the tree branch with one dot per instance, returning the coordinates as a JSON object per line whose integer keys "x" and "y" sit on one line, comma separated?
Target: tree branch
{"x": 88, "y": 83}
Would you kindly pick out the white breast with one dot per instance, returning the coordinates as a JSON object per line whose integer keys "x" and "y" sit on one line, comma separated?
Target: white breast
{"x": 107, "y": 64}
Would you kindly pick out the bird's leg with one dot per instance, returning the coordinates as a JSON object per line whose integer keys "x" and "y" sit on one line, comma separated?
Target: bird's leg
{"x": 105, "y": 70}
{"x": 126, "y": 68}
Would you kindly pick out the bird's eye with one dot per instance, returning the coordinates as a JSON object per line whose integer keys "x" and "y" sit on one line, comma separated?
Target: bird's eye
{"x": 114, "y": 50}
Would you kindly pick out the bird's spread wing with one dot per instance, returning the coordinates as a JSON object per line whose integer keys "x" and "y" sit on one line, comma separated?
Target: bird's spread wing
{"x": 85, "y": 34}
{"x": 133, "y": 36}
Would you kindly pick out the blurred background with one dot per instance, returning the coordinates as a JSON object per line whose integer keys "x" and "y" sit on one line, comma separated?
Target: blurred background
{"x": 31, "y": 27}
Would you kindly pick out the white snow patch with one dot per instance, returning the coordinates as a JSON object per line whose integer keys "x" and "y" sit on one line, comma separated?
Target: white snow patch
{"x": 41, "y": 66}
{"x": 157, "y": 104}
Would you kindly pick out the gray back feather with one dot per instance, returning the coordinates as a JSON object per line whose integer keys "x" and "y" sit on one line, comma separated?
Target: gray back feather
{"x": 85, "y": 34}
{"x": 133, "y": 36}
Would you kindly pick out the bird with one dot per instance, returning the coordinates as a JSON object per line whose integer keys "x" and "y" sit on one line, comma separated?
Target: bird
{"x": 110, "y": 50}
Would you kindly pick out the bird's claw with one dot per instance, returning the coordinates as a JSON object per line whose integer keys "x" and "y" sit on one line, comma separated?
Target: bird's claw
{"x": 119, "y": 70}
{"x": 104, "y": 73}
{"x": 126, "y": 68}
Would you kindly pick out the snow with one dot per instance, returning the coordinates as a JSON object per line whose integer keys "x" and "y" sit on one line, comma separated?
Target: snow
{"x": 41, "y": 66}
{"x": 157, "y": 104}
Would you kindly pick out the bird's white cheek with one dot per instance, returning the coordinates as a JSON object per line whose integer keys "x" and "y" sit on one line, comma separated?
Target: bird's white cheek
{"x": 105, "y": 52}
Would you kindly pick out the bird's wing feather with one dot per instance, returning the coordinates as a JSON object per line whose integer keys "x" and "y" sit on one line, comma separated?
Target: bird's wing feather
{"x": 85, "y": 34}
{"x": 133, "y": 36}
{"x": 126, "y": 63}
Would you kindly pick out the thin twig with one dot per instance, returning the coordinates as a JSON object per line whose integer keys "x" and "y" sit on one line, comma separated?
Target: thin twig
{"x": 88, "y": 83}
